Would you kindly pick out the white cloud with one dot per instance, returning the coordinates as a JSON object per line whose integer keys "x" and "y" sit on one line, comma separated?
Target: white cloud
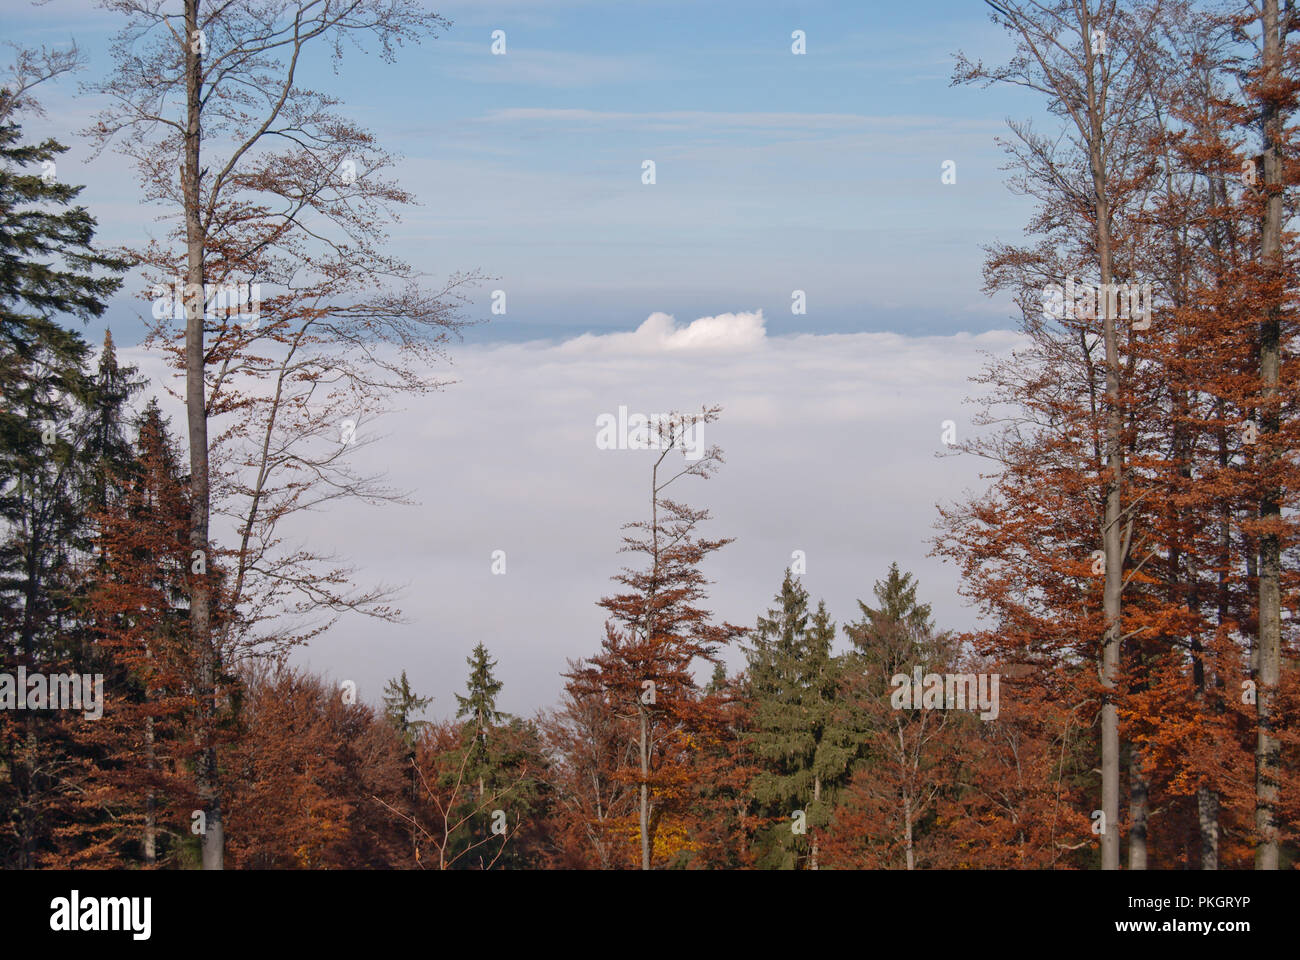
{"x": 659, "y": 332}
{"x": 831, "y": 446}
{"x": 717, "y": 120}
{"x": 536, "y": 68}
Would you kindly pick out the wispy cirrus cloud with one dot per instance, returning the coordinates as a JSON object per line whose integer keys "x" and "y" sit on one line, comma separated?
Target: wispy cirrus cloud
{"x": 718, "y": 120}
{"x": 535, "y": 67}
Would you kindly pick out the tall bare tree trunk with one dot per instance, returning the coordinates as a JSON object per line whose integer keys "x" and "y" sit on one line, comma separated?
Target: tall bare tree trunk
{"x": 1111, "y": 541}
{"x": 642, "y": 712}
{"x": 1207, "y": 800}
{"x": 213, "y": 842}
{"x": 1138, "y": 811}
{"x": 1268, "y": 749}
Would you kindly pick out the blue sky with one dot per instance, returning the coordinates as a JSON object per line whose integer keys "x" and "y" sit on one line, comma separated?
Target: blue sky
{"x": 775, "y": 172}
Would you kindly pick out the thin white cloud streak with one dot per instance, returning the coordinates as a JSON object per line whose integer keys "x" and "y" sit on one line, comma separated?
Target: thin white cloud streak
{"x": 532, "y": 67}
{"x": 700, "y": 119}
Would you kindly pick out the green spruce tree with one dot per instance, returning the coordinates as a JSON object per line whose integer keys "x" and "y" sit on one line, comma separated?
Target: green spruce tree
{"x": 401, "y": 704}
{"x": 792, "y": 683}
{"x": 108, "y": 450}
{"x": 49, "y": 269}
{"x": 502, "y": 765}
{"x": 479, "y": 706}
{"x": 900, "y": 629}
{"x": 889, "y": 639}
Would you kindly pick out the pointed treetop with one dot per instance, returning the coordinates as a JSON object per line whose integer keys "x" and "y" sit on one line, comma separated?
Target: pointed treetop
{"x": 900, "y": 630}
{"x": 896, "y": 595}
{"x": 480, "y": 705}
{"x": 400, "y": 703}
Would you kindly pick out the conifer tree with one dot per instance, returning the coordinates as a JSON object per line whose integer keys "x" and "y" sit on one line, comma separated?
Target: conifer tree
{"x": 899, "y": 774}
{"x": 655, "y": 633}
{"x": 400, "y": 704}
{"x": 480, "y": 710}
{"x": 136, "y": 608}
{"x": 480, "y": 706}
{"x": 792, "y": 683}
{"x": 107, "y": 448}
{"x": 48, "y": 268}
{"x": 718, "y": 680}
{"x": 486, "y": 787}
{"x": 837, "y": 744}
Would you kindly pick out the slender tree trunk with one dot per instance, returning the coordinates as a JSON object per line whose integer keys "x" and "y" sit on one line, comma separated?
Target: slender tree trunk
{"x": 1207, "y": 800}
{"x": 413, "y": 776}
{"x": 150, "y": 800}
{"x": 28, "y": 791}
{"x": 817, "y": 796}
{"x": 213, "y": 842}
{"x": 1207, "y": 814}
{"x": 482, "y": 740}
{"x": 642, "y": 712}
{"x": 1138, "y": 811}
{"x": 645, "y": 792}
{"x": 1112, "y": 542}
{"x": 907, "y": 831}
{"x": 25, "y": 775}
{"x": 1268, "y": 748}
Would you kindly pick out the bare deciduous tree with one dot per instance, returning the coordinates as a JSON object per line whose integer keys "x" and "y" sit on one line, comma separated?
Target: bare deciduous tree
{"x": 265, "y": 183}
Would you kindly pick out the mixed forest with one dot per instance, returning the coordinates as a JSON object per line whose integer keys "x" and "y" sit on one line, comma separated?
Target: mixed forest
{"x": 1133, "y": 555}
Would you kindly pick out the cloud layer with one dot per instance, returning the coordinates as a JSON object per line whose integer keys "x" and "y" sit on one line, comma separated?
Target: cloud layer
{"x": 832, "y": 447}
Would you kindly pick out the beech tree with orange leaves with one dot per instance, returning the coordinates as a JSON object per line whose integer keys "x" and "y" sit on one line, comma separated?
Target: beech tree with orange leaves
{"x": 1090, "y": 62}
{"x": 1196, "y": 490}
{"x": 656, "y": 632}
{"x": 303, "y": 773}
{"x": 594, "y": 800}
{"x": 266, "y": 183}
{"x": 138, "y": 608}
